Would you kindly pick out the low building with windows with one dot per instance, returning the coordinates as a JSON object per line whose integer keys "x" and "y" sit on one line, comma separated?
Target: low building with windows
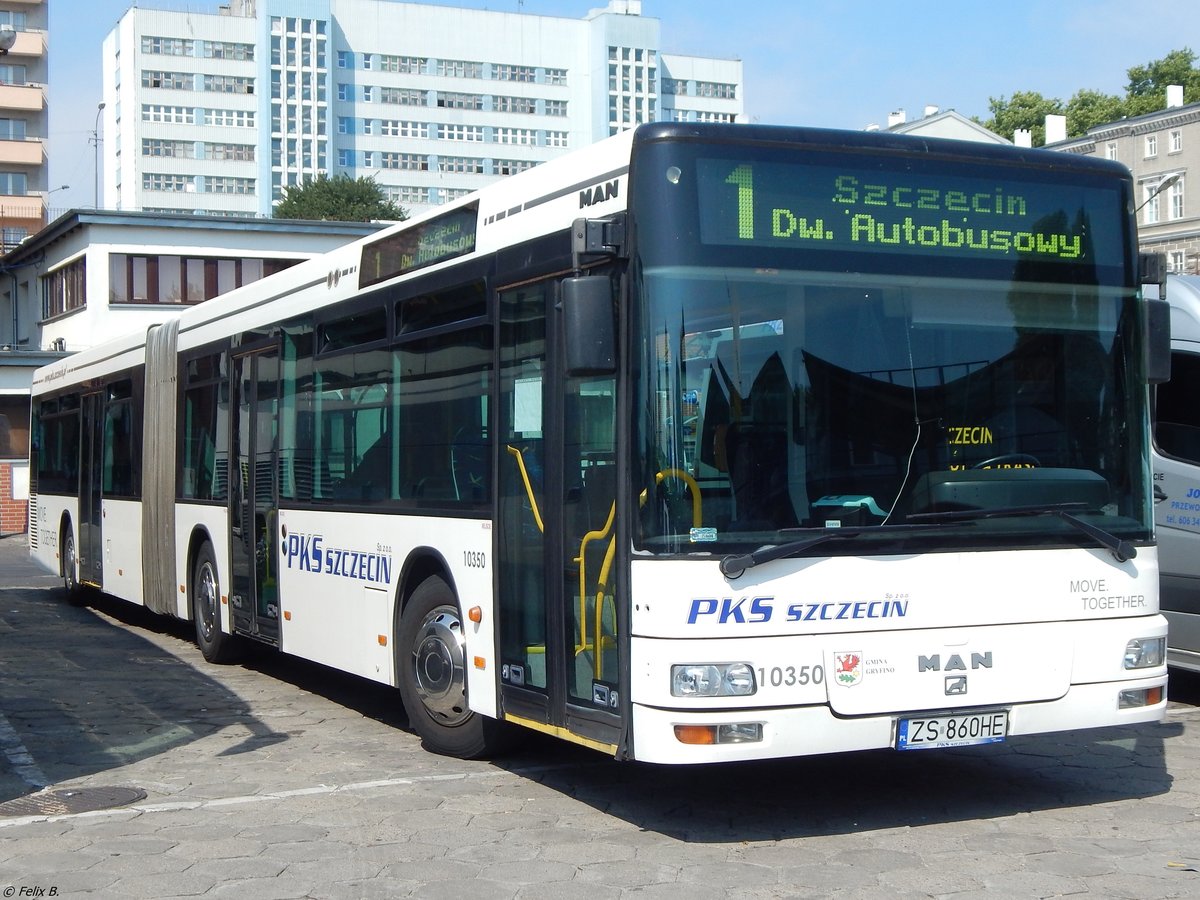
{"x": 1160, "y": 149}
{"x": 218, "y": 113}
{"x": 94, "y": 275}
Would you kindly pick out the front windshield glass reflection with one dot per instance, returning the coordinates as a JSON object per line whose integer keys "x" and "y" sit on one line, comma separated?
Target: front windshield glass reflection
{"x": 774, "y": 401}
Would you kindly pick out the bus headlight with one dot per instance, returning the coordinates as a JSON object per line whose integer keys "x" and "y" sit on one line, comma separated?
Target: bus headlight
{"x": 1145, "y": 653}
{"x": 719, "y": 680}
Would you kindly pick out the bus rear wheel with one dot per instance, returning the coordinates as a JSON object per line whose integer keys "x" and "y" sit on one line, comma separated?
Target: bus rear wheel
{"x": 432, "y": 673}
{"x": 70, "y": 567}
{"x": 216, "y": 646}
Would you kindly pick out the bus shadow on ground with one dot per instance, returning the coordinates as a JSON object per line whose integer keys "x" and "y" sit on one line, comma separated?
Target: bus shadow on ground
{"x": 87, "y": 696}
{"x": 879, "y": 789}
{"x": 83, "y": 695}
{"x": 777, "y": 799}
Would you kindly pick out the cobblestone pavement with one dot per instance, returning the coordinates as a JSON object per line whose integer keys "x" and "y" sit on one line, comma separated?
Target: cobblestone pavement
{"x": 283, "y": 779}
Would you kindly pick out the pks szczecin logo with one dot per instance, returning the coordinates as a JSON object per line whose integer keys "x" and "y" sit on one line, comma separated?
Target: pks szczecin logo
{"x": 848, "y": 667}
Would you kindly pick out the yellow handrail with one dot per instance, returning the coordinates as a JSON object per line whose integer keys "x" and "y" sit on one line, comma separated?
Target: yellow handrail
{"x": 662, "y": 476}
{"x": 537, "y": 516}
{"x": 601, "y": 584}
{"x": 582, "y": 560}
{"x": 606, "y": 565}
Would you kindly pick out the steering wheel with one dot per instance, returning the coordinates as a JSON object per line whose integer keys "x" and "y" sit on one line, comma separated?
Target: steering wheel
{"x": 1014, "y": 458}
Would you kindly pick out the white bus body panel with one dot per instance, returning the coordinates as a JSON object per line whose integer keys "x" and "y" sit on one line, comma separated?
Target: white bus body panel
{"x": 816, "y": 729}
{"x": 51, "y": 509}
{"x": 121, "y": 532}
{"x": 1177, "y": 517}
{"x": 841, "y": 646}
{"x": 213, "y": 521}
{"x": 692, "y": 599}
{"x": 338, "y": 580}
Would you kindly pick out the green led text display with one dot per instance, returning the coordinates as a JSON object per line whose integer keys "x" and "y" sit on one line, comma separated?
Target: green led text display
{"x": 444, "y": 237}
{"x": 990, "y": 215}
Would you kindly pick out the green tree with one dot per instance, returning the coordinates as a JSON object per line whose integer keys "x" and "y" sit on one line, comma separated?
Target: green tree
{"x": 1026, "y": 109}
{"x": 340, "y": 199}
{"x": 1146, "y": 91}
{"x": 1087, "y": 109}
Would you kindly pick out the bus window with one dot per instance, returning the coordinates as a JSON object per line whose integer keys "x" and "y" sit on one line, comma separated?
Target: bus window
{"x": 1177, "y": 417}
{"x": 443, "y": 383}
{"x": 205, "y": 432}
{"x": 119, "y": 475}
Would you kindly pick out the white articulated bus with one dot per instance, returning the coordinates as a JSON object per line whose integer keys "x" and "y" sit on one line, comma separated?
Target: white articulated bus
{"x": 1177, "y": 475}
{"x": 703, "y": 443}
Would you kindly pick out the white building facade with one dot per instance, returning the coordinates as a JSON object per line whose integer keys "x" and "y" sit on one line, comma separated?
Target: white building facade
{"x": 1161, "y": 149}
{"x": 219, "y": 113}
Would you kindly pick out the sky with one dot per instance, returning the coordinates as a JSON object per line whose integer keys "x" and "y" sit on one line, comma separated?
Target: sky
{"x": 833, "y": 64}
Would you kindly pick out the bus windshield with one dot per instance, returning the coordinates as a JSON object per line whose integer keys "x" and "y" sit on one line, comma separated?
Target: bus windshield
{"x": 881, "y": 388}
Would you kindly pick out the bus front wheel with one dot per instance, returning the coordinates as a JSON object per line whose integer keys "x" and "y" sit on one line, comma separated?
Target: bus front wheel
{"x": 432, "y": 675}
{"x": 215, "y": 645}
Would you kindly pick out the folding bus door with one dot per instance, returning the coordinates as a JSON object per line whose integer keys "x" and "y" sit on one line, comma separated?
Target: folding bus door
{"x": 555, "y": 534}
{"x": 253, "y": 495}
{"x": 91, "y": 456}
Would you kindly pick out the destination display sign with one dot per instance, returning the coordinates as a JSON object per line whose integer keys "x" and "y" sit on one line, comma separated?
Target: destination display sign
{"x": 758, "y": 203}
{"x": 435, "y": 241}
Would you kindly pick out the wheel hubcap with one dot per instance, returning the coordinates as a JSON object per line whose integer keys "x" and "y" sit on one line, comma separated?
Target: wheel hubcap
{"x": 206, "y": 601}
{"x": 69, "y": 561}
{"x": 439, "y": 663}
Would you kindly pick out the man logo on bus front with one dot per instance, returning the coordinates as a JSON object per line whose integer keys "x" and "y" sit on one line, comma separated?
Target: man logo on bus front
{"x": 956, "y": 685}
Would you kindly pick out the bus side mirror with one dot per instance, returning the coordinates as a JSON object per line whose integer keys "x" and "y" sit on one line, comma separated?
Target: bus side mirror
{"x": 589, "y": 325}
{"x": 1152, "y": 270}
{"x": 1158, "y": 341}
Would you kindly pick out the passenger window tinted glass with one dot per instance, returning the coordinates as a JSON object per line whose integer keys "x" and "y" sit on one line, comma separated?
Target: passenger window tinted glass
{"x": 1177, "y": 415}
{"x": 443, "y": 383}
{"x": 58, "y": 447}
{"x": 442, "y": 308}
{"x": 120, "y": 474}
{"x": 205, "y": 431}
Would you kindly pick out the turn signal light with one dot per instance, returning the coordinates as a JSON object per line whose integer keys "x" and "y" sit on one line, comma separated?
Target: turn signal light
{"x": 1135, "y": 699}
{"x": 730, "y": 733}
{"x": 696, "y": 734}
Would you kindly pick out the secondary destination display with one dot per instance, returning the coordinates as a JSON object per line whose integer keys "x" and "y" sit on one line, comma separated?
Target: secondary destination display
{"x": 435, "y": 241}
{"x": 848, "y": 207}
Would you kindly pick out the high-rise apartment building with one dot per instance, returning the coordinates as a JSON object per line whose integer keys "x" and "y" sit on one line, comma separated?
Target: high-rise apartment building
{"x": 23, "y": 119}
{"x": 219, "y": 113}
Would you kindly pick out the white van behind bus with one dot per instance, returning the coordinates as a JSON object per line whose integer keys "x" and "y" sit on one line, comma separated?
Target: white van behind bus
{"x": 1177, "y": 475}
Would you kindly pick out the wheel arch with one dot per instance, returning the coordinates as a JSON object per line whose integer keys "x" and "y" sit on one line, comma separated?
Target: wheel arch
{"x": 66, "y": 526}
{"x": 420, "y": 564}
{"x": 197, "y": 539}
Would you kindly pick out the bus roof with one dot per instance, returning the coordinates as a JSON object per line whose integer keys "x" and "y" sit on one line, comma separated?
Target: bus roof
{"x": 591, "y": 181}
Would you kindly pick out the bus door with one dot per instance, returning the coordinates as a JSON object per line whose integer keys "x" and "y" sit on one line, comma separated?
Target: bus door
{"x": 254, "y": 495}
{"x": 91, "y": 456}
{"x": 555, "y": 544}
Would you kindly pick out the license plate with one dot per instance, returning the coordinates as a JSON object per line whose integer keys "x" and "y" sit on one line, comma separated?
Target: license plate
{"x": 928, "y": 733}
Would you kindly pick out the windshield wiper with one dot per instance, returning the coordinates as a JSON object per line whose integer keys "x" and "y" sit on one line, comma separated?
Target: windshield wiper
{"x": 734, "y": 565}
{"x": 1121, "y": 549}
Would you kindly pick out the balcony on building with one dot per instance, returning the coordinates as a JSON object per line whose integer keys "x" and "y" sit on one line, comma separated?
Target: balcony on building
{"x": 23, "y": 97}
{"x": 27, "y": 152}
{"x": 29, "y": 44}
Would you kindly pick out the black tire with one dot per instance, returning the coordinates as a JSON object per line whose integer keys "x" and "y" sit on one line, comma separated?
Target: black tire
{"x": 217, "y": 646}
{"x": 70, "y": 565}
{"x": 431, "y": 668}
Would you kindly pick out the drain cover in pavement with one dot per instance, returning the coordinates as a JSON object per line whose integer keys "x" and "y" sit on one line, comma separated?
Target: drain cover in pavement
{"x": 71, "y": 800}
